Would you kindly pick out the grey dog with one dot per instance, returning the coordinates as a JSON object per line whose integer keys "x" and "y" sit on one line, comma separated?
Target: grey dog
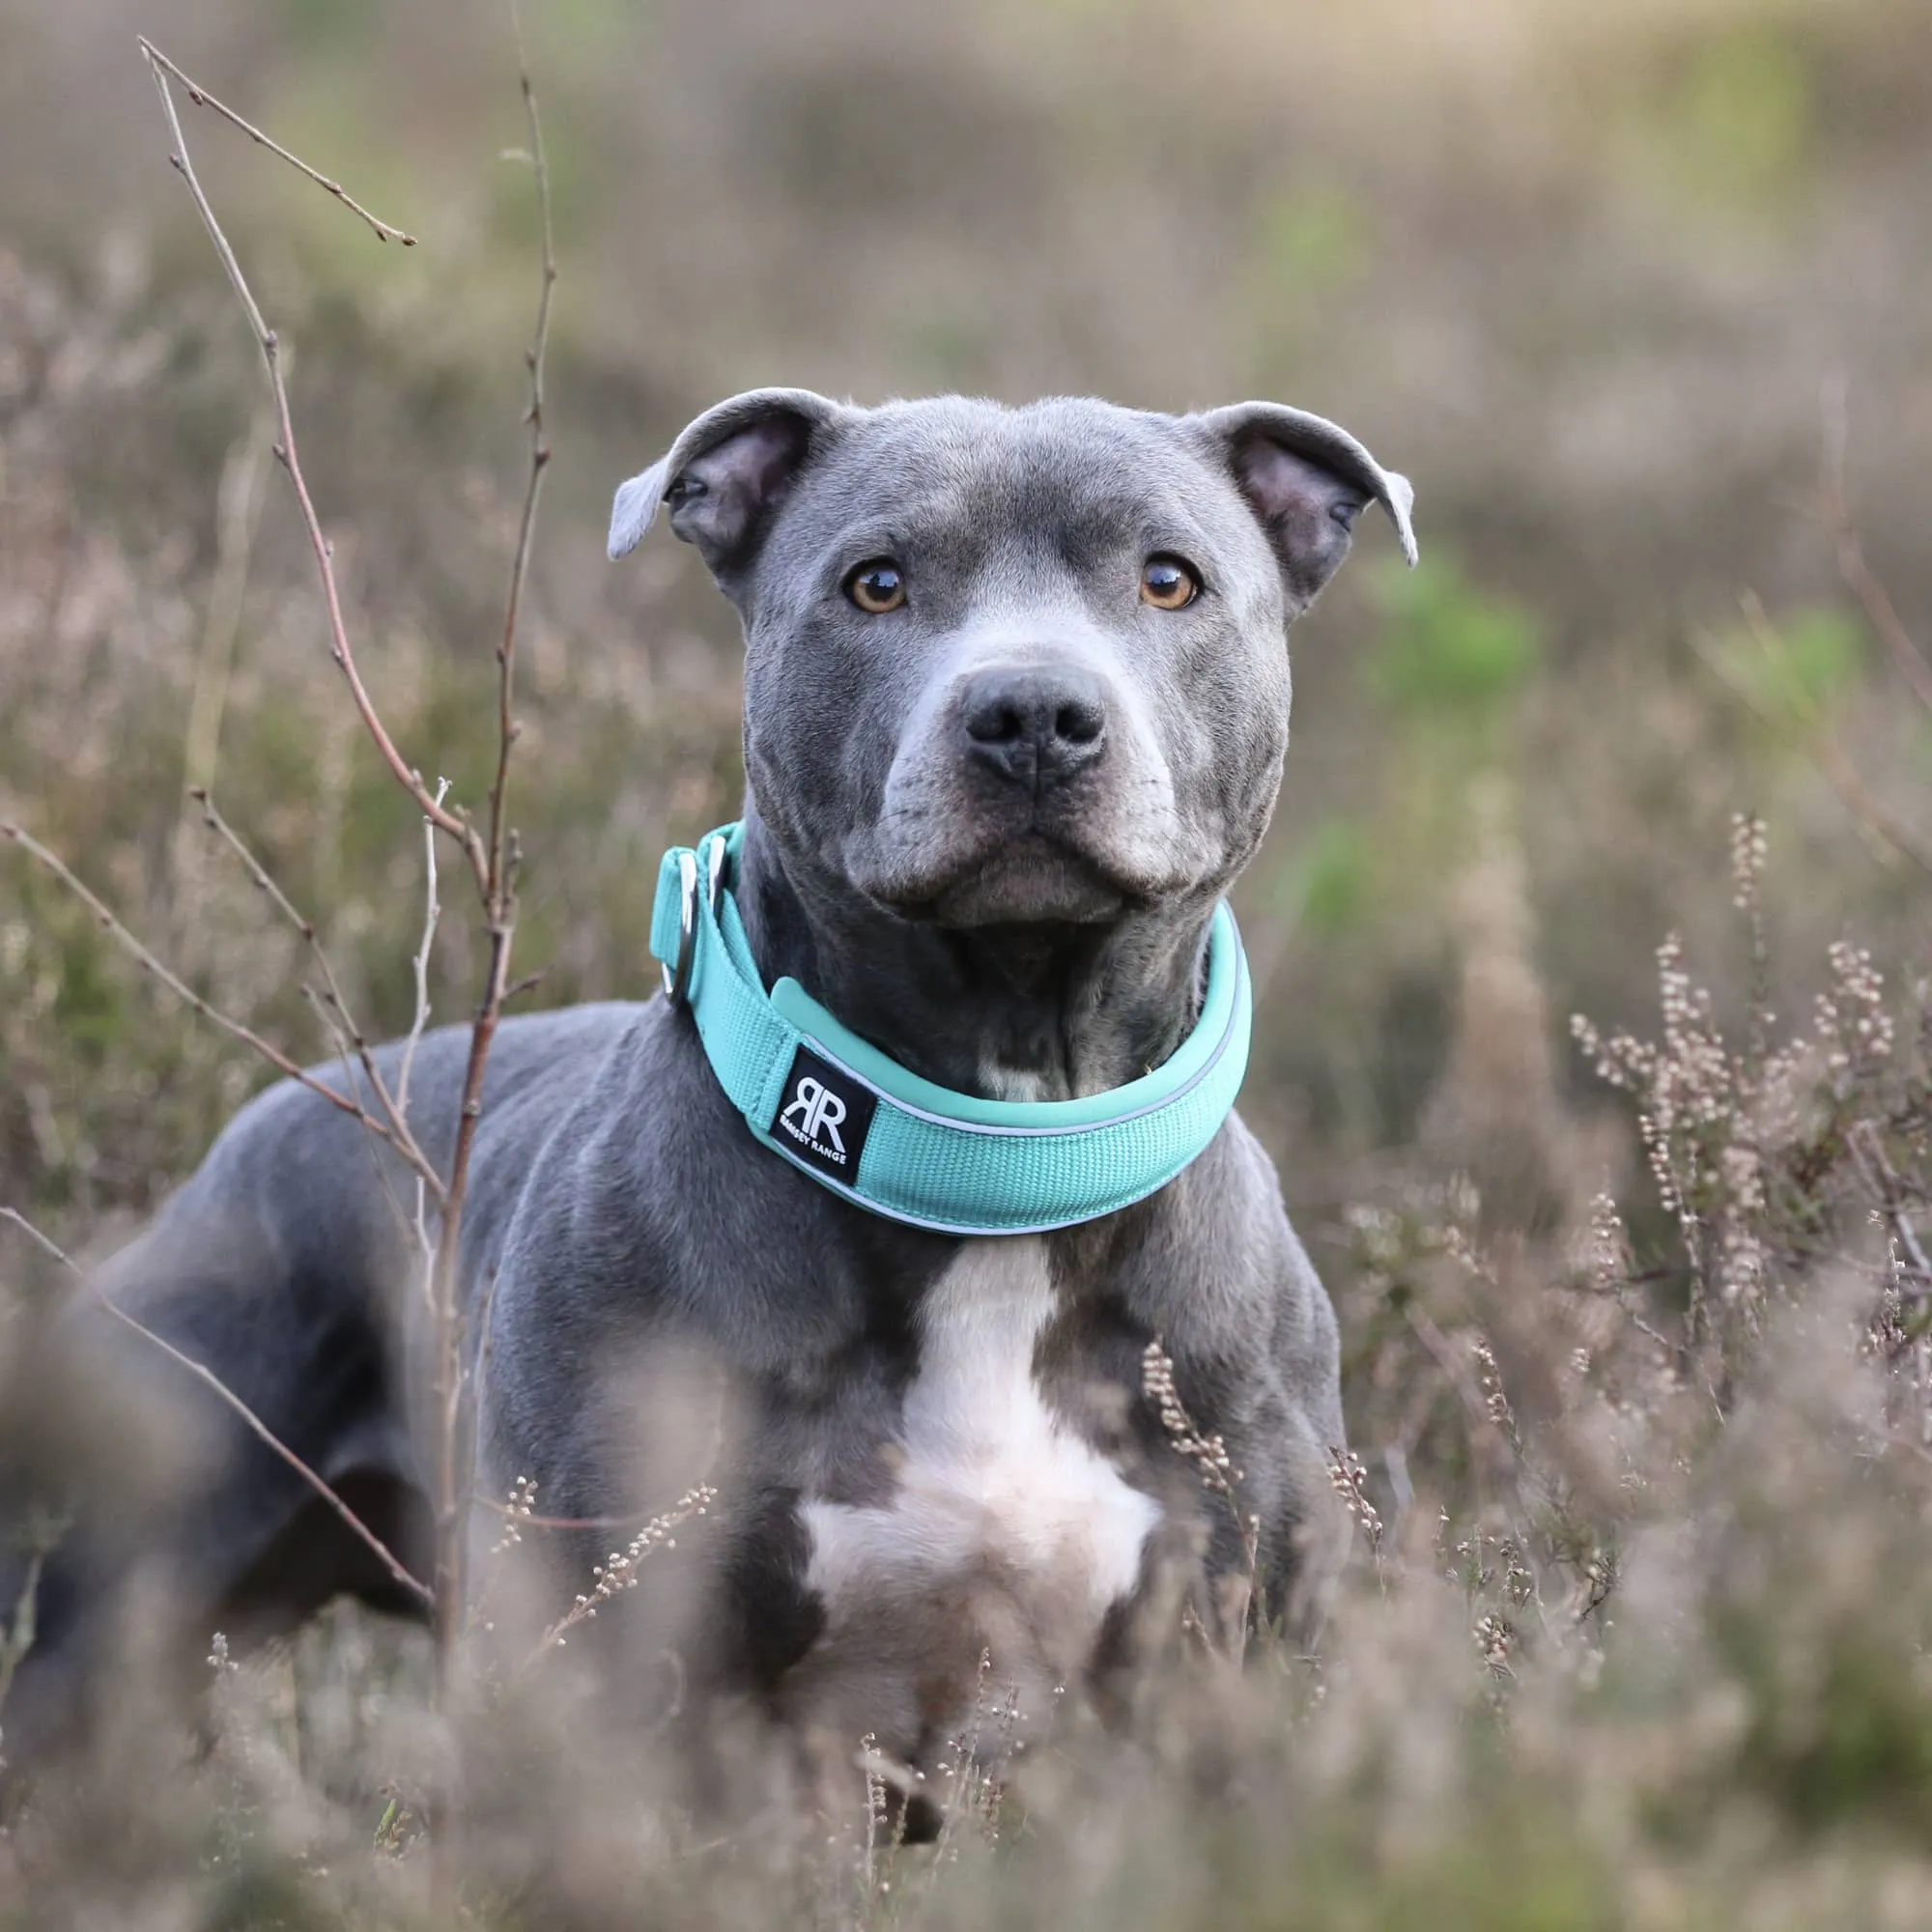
{"x": 1016, "y": 702}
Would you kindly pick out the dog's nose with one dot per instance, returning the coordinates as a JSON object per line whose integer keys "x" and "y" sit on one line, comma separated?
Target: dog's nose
{"x": 1036, "y": 726}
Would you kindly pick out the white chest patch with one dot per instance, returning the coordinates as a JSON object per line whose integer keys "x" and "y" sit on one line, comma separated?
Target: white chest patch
{"x": 989, "y": 1475}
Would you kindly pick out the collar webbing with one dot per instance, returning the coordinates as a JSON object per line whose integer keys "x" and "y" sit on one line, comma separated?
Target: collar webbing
{"x": 861, "y": 1123}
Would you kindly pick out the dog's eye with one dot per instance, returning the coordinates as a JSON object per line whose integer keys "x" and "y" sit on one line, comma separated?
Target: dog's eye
{"x": 876, "y": 586}
{"x": 1168, "y": 584}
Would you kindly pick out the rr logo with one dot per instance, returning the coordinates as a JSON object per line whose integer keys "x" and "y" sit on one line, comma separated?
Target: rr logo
{"x": 819, "y": 1114}
{"x": 826, "y": 1115}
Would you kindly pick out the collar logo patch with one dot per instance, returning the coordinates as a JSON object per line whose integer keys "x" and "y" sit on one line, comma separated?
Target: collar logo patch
{"x": 823, "y": 1117}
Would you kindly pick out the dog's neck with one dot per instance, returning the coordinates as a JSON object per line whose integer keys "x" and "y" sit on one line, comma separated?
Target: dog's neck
{"x": 1004, "y": 1012}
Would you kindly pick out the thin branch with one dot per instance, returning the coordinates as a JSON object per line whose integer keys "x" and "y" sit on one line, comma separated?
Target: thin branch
{"x": 533, "y": 359}
{"x": 432, "y": 913}
{"x": 180, "y": 989}
{"x": 384, "y": 1179}
{"x": 494, "y": 860}
{"x": 1894, "y": 838}
{"x": 1672, "y": 1349}
{"x": 237, "y": 512}
{"x": 454, "y": 824}
{"x": 1455, "y": 1371}
{"x": 1859, "y": 577}
{"x": 381, "y": 1550}
{"x": 1882, "y": 1178}
{"x": 201, "y": 98}
{"x": 634, "y": 1521}
{"x": 211, "y": 1380}
{"x": 32, "y": 1234}
{"x": 338, "y": 1016}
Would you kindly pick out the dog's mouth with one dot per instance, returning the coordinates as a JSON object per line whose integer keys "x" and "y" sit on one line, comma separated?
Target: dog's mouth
{"x": 1028, "y": 879}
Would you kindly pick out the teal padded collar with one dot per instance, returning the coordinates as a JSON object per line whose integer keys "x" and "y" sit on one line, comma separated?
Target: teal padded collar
{"x": 862, "y": 1124}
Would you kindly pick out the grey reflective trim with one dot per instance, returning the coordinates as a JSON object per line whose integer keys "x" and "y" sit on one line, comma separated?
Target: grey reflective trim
{"x": 952, "y": 1125}
{"x": 965, "y": 1230}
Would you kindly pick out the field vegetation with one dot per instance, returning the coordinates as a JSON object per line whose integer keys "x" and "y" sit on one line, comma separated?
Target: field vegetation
{"x": 1594, "y": 1030}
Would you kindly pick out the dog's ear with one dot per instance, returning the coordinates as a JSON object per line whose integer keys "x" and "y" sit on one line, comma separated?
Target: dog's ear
{"x": 725, "y": 476}
{"x": 1306, "y": 479}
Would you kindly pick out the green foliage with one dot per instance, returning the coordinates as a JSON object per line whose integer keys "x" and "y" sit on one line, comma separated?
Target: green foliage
{"x": 331, "y": 27}
{"x": 1736, "y": 124}
{"x": 1310, "y": 240}
{"x": 1447, "y": 648}
{"x": 1327, "y": 885}
{"x": 1793, "y": 671}
{"x": 1845, "y": 1738}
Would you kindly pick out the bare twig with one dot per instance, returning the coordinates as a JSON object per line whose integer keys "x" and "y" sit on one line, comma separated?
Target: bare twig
{"x": 1858, "y": 575}
{"x": 1892, "y": 837}
{"x": 32, "y": 1234}
{"x": 239, "y": 502}
{"x": 1878, "y": 1174}
{"x": 17, "y": 1625}
{"x": 180, "y": 989}
{"x": 337, "y": 1015}
{"x": 1673, "y": 1350}
{"x": 533, "y": 361}
{"x": 201, "y": 98}
{"x": 455, "y": 824}
{"x": 432, "y": 913}
{"x": 212, "y": 1381}
{"x": 493, "y": 858}
{"x": 493, "y": 861}
{"x": 428, "y": 1243}
{"x": 397, "y": 1570}
{"x": 1480, "y": 1426}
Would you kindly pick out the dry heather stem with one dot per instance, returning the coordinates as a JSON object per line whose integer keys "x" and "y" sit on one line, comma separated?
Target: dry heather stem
{"x": 497, "y": 859}
{"x": 1218, "y": 1475}
{"x": 431, "y": 915}
{"x": 618, "y": 1573}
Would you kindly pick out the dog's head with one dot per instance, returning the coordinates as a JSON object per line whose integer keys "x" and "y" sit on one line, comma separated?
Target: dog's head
{"x": 1015, "y": 665}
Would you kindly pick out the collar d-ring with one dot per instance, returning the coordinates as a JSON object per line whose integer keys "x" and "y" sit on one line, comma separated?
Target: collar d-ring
{"x": 677, "y": 978}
